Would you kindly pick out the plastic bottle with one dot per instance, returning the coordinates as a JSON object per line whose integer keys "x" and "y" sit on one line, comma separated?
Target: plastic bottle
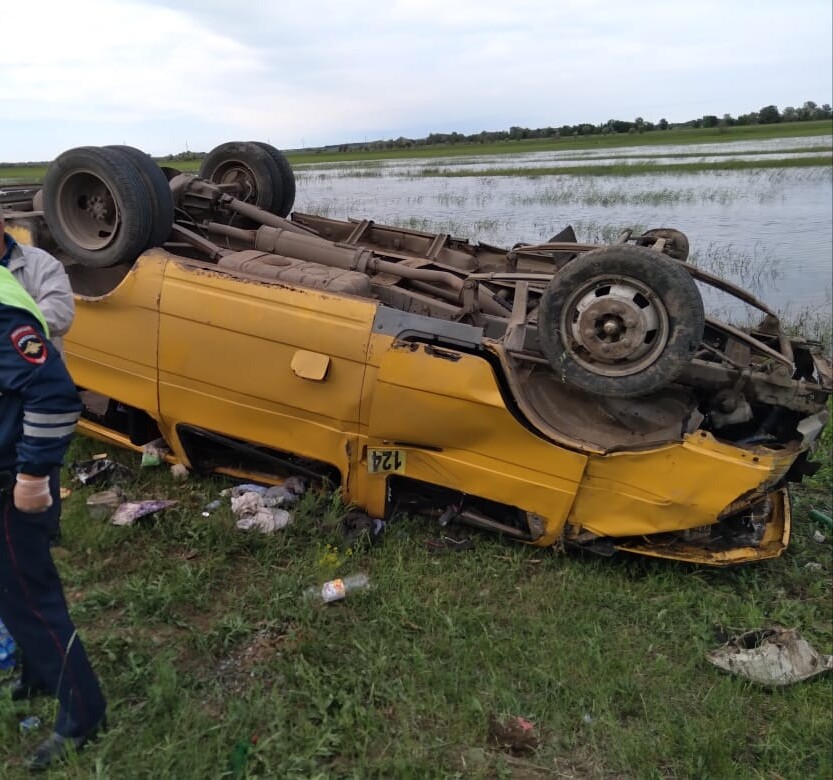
{"x": 334, "y": 590}
{"x": 8, "y": 649}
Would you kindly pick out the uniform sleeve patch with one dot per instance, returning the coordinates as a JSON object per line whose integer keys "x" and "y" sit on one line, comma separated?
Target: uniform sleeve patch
{"x": 29, "y": 344}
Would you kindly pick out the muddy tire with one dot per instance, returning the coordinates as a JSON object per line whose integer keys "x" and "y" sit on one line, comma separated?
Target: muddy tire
{"x": 158, "y": 191}
{"x": 287, "y": 200}
{"x": 248, "y": 166}
{"x": 620, "y": 321}
{"x": 676, "y": 242}
{"x": 96, "y": 206}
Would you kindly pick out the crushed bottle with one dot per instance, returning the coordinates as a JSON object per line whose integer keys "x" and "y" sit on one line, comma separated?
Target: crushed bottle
{"x": 335, "y": 590}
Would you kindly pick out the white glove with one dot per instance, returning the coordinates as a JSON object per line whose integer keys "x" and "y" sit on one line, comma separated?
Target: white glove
{"x": 31, "y": 494}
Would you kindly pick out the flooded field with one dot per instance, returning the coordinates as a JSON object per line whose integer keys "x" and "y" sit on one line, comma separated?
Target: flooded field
{"x": 768, "y": 230}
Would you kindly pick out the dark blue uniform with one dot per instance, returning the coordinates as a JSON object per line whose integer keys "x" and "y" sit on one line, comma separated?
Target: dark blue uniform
{"x": 39, "y": 406}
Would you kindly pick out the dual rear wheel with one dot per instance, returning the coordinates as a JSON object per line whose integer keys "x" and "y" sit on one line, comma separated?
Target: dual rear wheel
{"x": 257, "y": 172}
{"x": 107, "y": 205}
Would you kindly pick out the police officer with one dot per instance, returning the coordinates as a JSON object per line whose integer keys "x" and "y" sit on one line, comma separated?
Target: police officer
{"x": 39, "y": 407}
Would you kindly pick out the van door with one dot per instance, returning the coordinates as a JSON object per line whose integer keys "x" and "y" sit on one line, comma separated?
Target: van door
{"x": 267, "y": 363}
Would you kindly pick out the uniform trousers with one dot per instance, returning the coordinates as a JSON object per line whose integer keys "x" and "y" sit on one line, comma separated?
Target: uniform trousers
{"x": 33, "y": 607}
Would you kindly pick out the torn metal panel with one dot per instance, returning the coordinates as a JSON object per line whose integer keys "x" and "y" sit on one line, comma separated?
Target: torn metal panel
{"x": 773, "y": 657}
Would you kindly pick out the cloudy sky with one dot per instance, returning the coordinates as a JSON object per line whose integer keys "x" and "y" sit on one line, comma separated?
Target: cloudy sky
{"x": 168, "y": 76}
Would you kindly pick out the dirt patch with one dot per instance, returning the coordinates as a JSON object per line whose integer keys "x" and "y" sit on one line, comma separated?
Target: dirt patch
{"x": 249, "y": 664}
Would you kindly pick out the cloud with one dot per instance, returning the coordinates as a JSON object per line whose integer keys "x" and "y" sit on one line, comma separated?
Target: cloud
{"x": 159, "y": 73}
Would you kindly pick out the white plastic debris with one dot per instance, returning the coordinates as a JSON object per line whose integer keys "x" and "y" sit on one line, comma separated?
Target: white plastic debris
{"x": 130, "y": 511}
{"x": 179, "y": 471}
{"x": 770, "y": 656}
{"x": 259, "y": 507}
{"x": 819, "y": 537}
{"x": 267, "y": 520}
{"x": 259, "y": 511}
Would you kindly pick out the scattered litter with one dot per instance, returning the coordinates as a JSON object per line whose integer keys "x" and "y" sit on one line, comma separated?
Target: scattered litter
{"x": 246, "y": 487}
{"x": 813, "y": 566}
{"x": 259, "y": 507}
{"x": 447, "y": 544}
{"x": 240, "y": 755}
{"x": 587, "y": 718}
{"x": 130, "y": 511}
{"x": 211, "y": 506}
{"x": 819, "y": 537}
{"x": 99, "y": 469}
{"x": 335, "y": 590}
{"x": 65, "y": 493}
{"x": 8, "y": 649}
{"x": 31, "y": 723}
{"x": 822, "y": 517}
{"x": 267, "y": 520}
{"x": 515, "y": 734}
{"x": 101, "y": 506}
{"x": 179, "y": 471}
{"x": 295, "y": 484}
{"x": 358, "y": 526}
{"x": 153, "y": 453}
{"x": 770, "y": 656}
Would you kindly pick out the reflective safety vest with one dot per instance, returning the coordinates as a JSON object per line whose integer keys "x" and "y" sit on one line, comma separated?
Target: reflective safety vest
{"x": 13, "y": 294}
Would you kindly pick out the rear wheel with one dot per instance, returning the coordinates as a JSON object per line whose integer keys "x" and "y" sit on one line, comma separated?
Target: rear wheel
{"x": 96, "y": 206}
{"x": 287, "y": 200}
{"x": 620, "y": 321}
{"x": 247, "y": 171}
{"x": 158, "y": 191}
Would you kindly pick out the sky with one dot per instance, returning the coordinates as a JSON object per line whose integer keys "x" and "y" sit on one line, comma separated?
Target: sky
{"x": 173, "y": 76}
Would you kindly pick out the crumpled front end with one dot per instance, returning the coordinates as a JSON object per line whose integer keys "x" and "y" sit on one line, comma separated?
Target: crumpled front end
{"x": 755, "y": 532}
{"x": 703, "y": 501}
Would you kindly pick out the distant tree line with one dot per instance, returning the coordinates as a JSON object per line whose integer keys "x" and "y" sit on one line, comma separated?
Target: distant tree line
{"x": 765, "y": 116}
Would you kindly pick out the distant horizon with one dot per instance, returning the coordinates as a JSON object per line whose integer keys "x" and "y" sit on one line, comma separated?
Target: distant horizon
{"x": 649, "y": 126}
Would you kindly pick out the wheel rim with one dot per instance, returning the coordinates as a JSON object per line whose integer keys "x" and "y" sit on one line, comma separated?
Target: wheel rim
{"x": 614, "y": 326}
{"x": 89, "y": 211}
{"x": 236, "y": 174}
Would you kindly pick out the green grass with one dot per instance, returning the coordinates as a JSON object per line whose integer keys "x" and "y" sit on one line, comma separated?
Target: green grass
{"x": 591, "y": 142}
{"x": 710, "y": 153}
{"x": 35, "y": 172}
{"x": 636, "y": 169}
{"x": 204, "y": 644}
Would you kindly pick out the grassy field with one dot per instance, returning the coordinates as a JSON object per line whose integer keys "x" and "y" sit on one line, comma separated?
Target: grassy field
{"x": 36, "y": 172}
{"x": 591, "y": 142}
{"x": 215, "y": 666}
{"x": 637, "y": 169}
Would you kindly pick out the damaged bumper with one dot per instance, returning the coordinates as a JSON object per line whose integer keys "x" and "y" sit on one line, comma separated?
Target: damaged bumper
{"x": 759, "y": 531}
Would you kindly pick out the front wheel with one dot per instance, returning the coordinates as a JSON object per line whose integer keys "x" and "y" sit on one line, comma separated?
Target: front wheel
{"x": 620, "y": 321}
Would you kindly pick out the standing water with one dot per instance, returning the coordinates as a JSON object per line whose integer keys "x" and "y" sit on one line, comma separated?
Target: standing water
{"x": 768, "y": 230}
